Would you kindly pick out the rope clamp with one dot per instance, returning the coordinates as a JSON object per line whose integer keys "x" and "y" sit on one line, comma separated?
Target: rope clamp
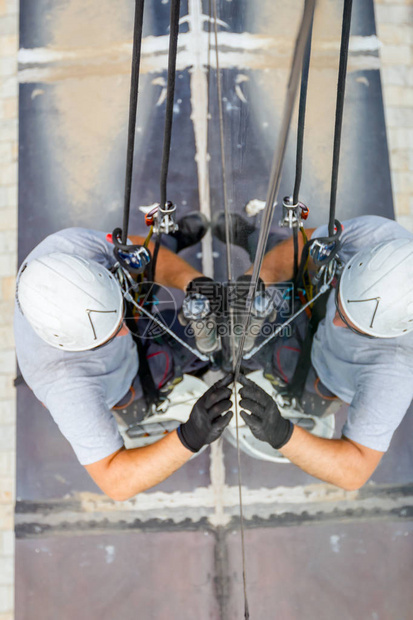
{"x": 135, "y": 261}
{"x": 324, "y": 249}
{"x": 164, "y": 219}
{"x": 321, "y": 251}
{"x": 133, "y": 258}
{"x": 293, "y": 214}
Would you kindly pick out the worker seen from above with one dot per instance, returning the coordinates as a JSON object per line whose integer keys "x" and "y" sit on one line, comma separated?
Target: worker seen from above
{"x": 78, "y": 356}
{"x": 362, "y": 353}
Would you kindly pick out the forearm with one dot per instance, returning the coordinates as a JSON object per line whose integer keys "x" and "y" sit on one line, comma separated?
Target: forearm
{"x": 338, "y": 461}
{"x": 130, "y": 472}
{"x": 278, "y": 263}
{"x": 171, "y": 270}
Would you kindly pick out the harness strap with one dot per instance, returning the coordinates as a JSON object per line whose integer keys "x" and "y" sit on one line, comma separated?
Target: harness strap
{"x": 149, "y": 389}
{"x": 296, "y": 386}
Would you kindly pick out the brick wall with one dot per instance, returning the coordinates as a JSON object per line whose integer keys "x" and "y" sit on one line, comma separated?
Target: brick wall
{"x": 8, "y": 261}
{"x": 395, "y": 31}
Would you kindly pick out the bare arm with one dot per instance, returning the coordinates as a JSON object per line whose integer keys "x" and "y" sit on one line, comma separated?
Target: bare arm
{"x": 278, "y": 263}
{"x": 343, "y": 462}
{"x": 127, "y": 472}
{"x": 171, "y": 270}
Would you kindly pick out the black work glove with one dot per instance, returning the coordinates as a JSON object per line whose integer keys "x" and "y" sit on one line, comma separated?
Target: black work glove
{"x": 245, "y": 280}
{"x": 206, "y": 422}
{"x": 265, "y": 420}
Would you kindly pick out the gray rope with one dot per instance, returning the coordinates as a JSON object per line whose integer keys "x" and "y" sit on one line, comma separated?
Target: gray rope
{"x": 277, "y": 164}
{"x": 231, "y": 312}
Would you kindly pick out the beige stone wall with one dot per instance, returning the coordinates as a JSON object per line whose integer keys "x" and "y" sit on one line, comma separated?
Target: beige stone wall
{"x": 8, "y": 262}
{"x": 395, "y": 30}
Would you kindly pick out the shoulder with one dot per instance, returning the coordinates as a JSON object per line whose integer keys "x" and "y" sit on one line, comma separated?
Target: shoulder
{"x": 365, "y": 231}
{"x": 372, "y": 226}
{"x": 372, "y": 229}
{"x": 80, "y": 410}
{"x": 83, "y": 242}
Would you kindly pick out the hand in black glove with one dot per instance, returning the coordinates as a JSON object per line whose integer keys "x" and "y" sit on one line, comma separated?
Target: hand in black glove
{"x": 265, "y": 420}
{"x": 245, "y": 281}
{"x": 206, "y": 422}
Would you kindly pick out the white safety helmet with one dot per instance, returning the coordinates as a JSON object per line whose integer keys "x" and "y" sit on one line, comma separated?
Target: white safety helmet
{"x": 72, "y": 303}
{"x": 376, "y": 289}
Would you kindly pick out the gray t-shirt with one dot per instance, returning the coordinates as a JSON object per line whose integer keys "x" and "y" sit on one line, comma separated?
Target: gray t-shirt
{"x": 375, "y": 376}
{"x": 79, "y": 389}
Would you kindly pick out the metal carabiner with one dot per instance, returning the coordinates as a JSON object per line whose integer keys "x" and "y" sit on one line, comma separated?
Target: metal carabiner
{"x": 293, "y": 214}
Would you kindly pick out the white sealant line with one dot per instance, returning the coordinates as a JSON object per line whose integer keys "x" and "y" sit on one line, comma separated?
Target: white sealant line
{"x": 196, "y": 42}
{"x": 197, "y": 46}
{"x": 242, "y": 50}
{"x": 299, "y": 495}
{"x": 199, "y": 117}
{"x": 218, "y": 487}
{"x": 202, "y": 497}
{"x": 219, "y": 496}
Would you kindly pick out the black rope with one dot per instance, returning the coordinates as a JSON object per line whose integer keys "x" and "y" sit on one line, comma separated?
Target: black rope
{"x": 301, "y": 115}
{"x": 341, "y": 87}
{"x": 133, "y": 104}
{"x": 300, "y": 137}
{"x": 173, "y": 46}
{"x": 334, "y": 227}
